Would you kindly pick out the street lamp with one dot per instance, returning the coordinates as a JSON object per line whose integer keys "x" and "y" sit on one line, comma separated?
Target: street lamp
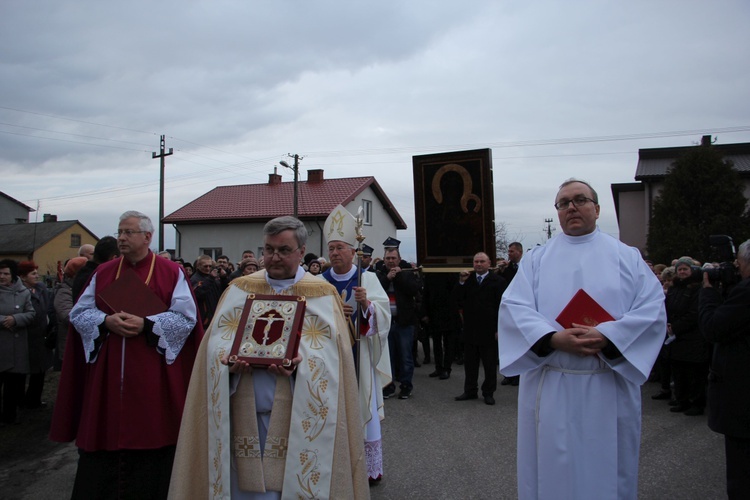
{"x": 295, "y": 169}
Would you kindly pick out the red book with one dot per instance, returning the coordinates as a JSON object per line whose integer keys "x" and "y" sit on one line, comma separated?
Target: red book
{"x": 583, "y": 310}
{"x": 269, "y": 330}
{"x": 130, "y": 294}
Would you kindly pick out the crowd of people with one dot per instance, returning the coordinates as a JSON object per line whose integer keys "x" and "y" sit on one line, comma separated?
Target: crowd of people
{"x": 310, "y": 425}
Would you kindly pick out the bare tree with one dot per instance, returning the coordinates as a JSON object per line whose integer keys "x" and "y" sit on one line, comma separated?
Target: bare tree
{"x": 501, "y": 239}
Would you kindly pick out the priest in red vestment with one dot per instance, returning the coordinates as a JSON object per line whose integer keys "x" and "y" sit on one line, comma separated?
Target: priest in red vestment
{"x": 123, "y": 385}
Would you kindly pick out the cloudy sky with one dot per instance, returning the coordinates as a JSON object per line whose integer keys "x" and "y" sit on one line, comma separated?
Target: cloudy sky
{"x": 555, "y": 89}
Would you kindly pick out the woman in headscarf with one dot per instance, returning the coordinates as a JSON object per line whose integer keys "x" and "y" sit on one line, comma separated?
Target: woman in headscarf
{"x": 314, "y": 268}
{"x": 249, "y": 266}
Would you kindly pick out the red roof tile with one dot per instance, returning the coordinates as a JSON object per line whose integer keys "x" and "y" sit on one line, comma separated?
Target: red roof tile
{"x": 260, "y": 202}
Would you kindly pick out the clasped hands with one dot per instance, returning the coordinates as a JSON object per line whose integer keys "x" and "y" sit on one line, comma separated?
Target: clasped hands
{"x": 581, "y": 340}
{"x": 124, "y": 324}
{"x": 9, "y": 322}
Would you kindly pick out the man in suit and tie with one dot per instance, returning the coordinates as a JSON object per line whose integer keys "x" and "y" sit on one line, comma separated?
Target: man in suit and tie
{"x": 479, "y": 297}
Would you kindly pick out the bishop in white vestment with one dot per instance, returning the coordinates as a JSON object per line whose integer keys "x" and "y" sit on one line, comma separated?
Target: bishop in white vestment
{"x": 371, "y": 350}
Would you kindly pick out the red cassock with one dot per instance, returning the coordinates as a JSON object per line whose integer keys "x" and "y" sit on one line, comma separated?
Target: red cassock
{"x": 129, "y": 398}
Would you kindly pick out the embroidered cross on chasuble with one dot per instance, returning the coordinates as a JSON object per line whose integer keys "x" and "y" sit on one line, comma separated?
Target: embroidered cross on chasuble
{"x": 254, "y": 474}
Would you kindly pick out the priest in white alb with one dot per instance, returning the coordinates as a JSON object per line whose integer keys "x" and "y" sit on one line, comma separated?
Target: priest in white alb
{"x": 579, "y": 400}
{"x": 371, "y": 347}
{"x": 295, "y": 432}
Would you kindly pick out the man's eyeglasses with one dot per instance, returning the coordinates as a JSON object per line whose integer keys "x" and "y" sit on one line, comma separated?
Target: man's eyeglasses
{"x": 577, "y": 202}
{"x": 281, "y": 252}
{"x": 127, "y": 232}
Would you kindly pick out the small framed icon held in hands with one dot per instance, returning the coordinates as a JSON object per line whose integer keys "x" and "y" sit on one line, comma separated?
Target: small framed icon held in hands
{"x": 269, "y": 330}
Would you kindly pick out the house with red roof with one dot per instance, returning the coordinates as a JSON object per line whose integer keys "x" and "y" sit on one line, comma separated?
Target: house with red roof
{"x": 229, "y": 219}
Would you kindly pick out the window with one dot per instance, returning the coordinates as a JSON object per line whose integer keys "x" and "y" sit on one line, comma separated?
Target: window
{"x": 75, "y": 240}
{"x": 212, "y": 252}
{"x": 367, "y": 208}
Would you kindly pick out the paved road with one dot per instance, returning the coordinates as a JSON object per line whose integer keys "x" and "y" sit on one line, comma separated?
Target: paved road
{"x": 437, "y": 448}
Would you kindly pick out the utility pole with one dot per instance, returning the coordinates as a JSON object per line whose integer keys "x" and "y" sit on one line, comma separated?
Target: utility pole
{"x": 161, "y": 156}
{"x": 548, "y": 228}
{"x": 295, "y": 169}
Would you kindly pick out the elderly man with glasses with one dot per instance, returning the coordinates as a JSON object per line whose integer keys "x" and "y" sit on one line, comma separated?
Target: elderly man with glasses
{"x": 579, "y": 400}
{"x": 290, "y": 430}
{"x": 126, "y": 369}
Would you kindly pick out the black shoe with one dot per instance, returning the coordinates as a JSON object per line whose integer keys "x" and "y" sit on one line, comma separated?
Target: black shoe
{"x": 389, "y": 391}
{"x": 405, "y": 393}
{"x": 434, "y": 374}
{"x": 679, "y": 408}
{"x": 673, "y": 402}
{"x": 417, "y": 364}
{"x": 460, "y": 360}
{"x": 505, "y": 381}
{"x": 445, "y": 375}
{"x": 465, "y": 397}
{"x": 662, "y": 395}
{"x": 489, "y": 400}
{"x": 515, "y": 380}
{"x": 693, "y": 411}
{"x": 426, "y": 360}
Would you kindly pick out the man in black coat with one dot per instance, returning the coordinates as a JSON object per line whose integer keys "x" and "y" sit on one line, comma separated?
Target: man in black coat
{"x": 727, "y": 326}
{"x": 479, "y": 297}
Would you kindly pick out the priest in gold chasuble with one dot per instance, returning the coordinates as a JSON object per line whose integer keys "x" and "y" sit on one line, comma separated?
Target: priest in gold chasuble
{"x": 274, "y": 433}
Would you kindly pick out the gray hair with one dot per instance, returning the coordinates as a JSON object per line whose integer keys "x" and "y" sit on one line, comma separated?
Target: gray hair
{"x": 744, "y": 251}
{"x": 280, "y": 224}
{"x": 573, "y": 180}
{"x": 85, "y": 247}
{"x": 144, "y": 222}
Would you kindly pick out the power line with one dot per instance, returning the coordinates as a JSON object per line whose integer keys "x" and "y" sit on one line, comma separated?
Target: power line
{"x": 70, "y": 133}
{"x": 536, "y": 142}
{"x": 72, "y": 142}
{"x": 76, "y": 120}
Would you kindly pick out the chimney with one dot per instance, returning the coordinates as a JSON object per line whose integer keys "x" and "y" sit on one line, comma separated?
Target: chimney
{"x": 274, "y": 178}
{"x": 315, "y": 175}
{"x": 706, "y": 140}
{"x": 49, "y": 218}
